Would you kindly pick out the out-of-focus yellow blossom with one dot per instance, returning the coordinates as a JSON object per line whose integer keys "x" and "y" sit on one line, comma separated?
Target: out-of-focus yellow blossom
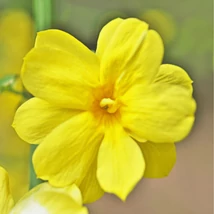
{"x": 16, "y": 39}
{"x": 42, "y": 199}
{"x": 162, "y": 22}
{"x": 6, "y": 200}
{"x": 104, "y": 119}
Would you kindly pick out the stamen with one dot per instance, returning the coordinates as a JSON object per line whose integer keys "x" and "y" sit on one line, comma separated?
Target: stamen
{"x": 109, "y": 105}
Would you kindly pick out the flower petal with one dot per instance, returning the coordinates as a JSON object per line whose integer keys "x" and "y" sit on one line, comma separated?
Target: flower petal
{"x": 59, "y": 76}
{"x": 106, "y": 33}
{"x": 129, "y": 53}
{"x": 174, "y": 75}
{"x": 144, "y": 65}
{"x": 120, "y": 162}
{"x": 74, "y": 192}
{"x": 159, "y": 158}
{"x": 37, "y": 113}
{"x": 162, "y": 112}
{"x": 60, "y": 40}
{"x": 125, "y": 41}
{"x": 6, "y": 200}
{"x": 71, "y": 149}
{"x": 90, "y": 186}
{"x": 45, "y": 199}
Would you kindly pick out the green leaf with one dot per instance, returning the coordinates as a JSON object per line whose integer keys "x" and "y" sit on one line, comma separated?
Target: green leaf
{"x": 8, "y": 82}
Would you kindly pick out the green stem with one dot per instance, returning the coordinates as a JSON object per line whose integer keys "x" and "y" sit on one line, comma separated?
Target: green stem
{"x": 42, "y": 15}
{"x": 34, "y": 181}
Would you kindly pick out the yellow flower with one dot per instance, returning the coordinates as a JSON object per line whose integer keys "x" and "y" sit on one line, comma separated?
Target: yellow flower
{"x": 43, "y": 199}
{"x": 16, "y": 39}
{"x": 104, "y": 119}
{"x": 162, "y": 22}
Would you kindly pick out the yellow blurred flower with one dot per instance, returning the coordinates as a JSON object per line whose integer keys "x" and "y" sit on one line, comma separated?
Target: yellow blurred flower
{"x": 162, "y": 22}
{"x": 43, "y": 199}
{"x": 16, "y": 39}
{"x": 104, "y": 119}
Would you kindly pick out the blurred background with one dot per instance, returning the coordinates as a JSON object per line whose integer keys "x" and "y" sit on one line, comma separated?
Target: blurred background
{"x": 187, "y": 30}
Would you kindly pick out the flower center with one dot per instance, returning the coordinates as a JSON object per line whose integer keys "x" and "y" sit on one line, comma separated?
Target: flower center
{"x": 109, "y": 105}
